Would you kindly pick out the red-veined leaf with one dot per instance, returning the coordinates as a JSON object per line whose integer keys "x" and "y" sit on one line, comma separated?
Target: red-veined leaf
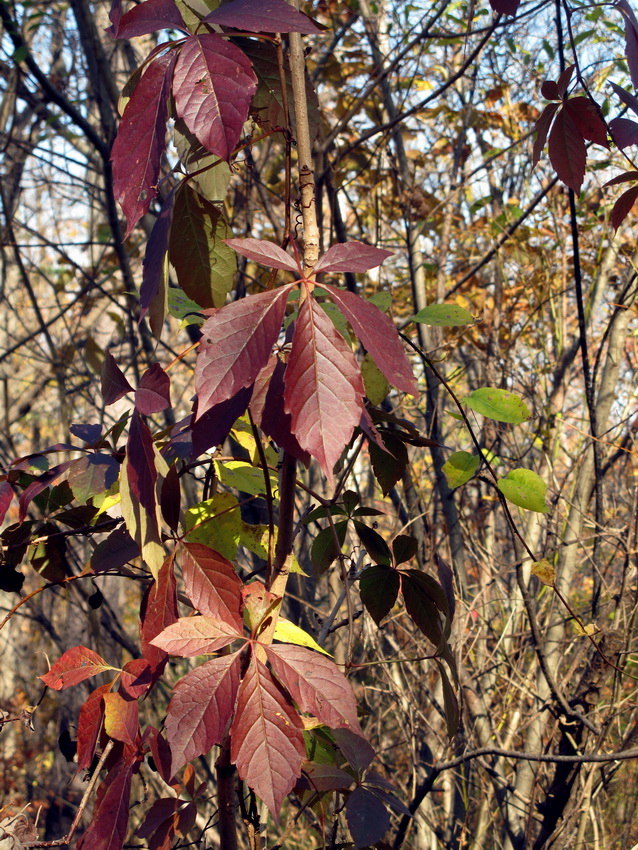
{"x": 236, "y": 344}
{"x": 150, "y": 16}
{"x": 76, "y": 665}
{"x": 114, "y": 383}
{"x": 368, "y": 819}
{"x": 191, "y": 636}
{"x": 158, "y": 610}
{"x": 201, "y": 707}
{"x": 141, "y": 141}
{"x": 631, "y": 39}
{"x": 107, "y": 830}
{"x": 121, "y": 718}
{"x": 267, "y": 408}
{"x": 355, "y": 748}
{"x": 154, "y": 392}
{"x": 213, "y": 85}
{"x": 352, "y": 257}
{"x": 567, "y": 151}
{"x": 584, "y": 113}
{"x": 262, "y": 251}
{"x": 623, "y": 206}
{"x": 212, "y": 584}
{"x": 505, "y": 7}
{"x": 628, "y": 99}
{"x": 6, "y": 497}
{"x": 625, "y": 132}
{"x": 89, "y": 725}
{"x": 324, "y": 388}
{"x": 38, "y": 486}
{"x": 625, "y": 177}
{"x": 315, "y": 683}
{"x": 262, "y": 16}
{"x": 267, "y": 743}
{"x": 378, "y": 334}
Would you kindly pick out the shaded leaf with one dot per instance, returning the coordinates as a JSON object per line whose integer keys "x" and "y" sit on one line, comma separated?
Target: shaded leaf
{"x": 212, "y": 584}
{"x": 324, "y": 547}
{"x": 262, "y": 16}
{"x": 39, "y": 485}
{"x": 136, "y": 678}
{"x": 114, "y": 383}
{"x": 501, "y": 405}
{"x": 379, "y": 588}
{"x": 6, "y": 497}
{"x": 625, "y": 132}
{"x": 155, "y": 265}
{"x": 524, "y": 488}
{"x": 204, "y": 265}
{"x": 267, "y": 742}
{"x": 388, "y": 466}
{"x": 567, "y": 151}
{"x": 351, "y": 257}
{"x": 542, "y": 126}
{"x": 368, "y": 819}
{"x": 150, "y": 16}
{"x": 107, "y": 830}
{"x": 505, "y": 7}
{"x": 89, "y": 726}
{"x": 191, "y": 636}
{"x": 424, "y": 602}
{"x": 623, "y": 206}
{"x": 87, "y": 433}
{"x": 141, "y": 141}
{"x": 214, "y": 426}
{"x": 378, "y": 334}
{"x": 113, "y": 553}
{"x": 450, "y": 702}
{"x": 627, "y": 98}
{"x": 214, "y": 175}
{"x": 549, "y": 90}
{"x": 236, "y": 344}
{"x": 262, "y": 251}
{"x": 92, "y": 474}
{"x": 170, "y": 498}
{"x": 324, "y": 388}
{"x": 631, "y": 39}
{"x": 355, "y": 748}
{"x": 75, "y": 666}
{"x": 316, "y": 684}
{"x": 585, "y": 115}
{"x": 327, "y": 777}
{"x": 374, "y": 544}
{"x": 564, "y": 79}
{"x": 459, "y": 468}
{"x": 201, "y": 707}
{"x": 404, "y": 548}
{"x": 213, "y": 84}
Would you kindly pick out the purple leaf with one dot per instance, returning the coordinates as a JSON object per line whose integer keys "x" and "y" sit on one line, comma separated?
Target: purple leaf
{"x": 631, "y": 39}
{"x": 623, "y": 206}
{"x": 567, "y": 151}
{"x": 142, "y": 474}
{"x": 628, "y": 99}
{"x": 354, "y": 747}
{"x": 214, "y": 426}
{"x": 89, "y": 434}
{"x": 549, "y": 90}
{"x": 378, "y": 334}
{"x": 141, "y": 141}
{"x": 327, "y": 777}
{"x": 158, "y": 610}
{"x": 36, "y": 487}
{"x": 213, "y": 85}
{"x": 584, "y": 114}
{"x": 154, "y": 266}
{"x": 236, "y": 344}
{"x": 625, "y": 132}
{"x": 92, "y": 474}
{"x": 150, "y": 16}
{"x": 114, "y": 383}
{"x": 505, "y": 7}
{"x": 262, "y": 251}
{"x": 352, "y": 257}
{"x": 563, "y": 80}
{"x": 107, "y": 830}
{"x": 262, "y": 16}
{"x": 625, "y": 177}
{"x": 90, "y": 725}
{"x": 154, "y": 392}
{"x": 542, "y": 129}
{"x": 367, "y": 817}
{"x": 324, "y": 388}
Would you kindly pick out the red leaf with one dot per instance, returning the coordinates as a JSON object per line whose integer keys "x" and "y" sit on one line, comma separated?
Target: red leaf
{"x": 266, "y": 736}
{"x": 267, "y": 408}
{"x": 316, "y": 684}
{"x": 585, "y": 116}
{"x": 262, "y": 16}
{"x": 625, "y": 177}
{"x": 114, "y": 383}
{"x": 631, "y": 39}
{"x": 352, "y": 257}
{"x": 154, "y": 392}
{"x": 158, "y": 610}
{"x": 121, "y": 721}
{"x": 623, "y": 206}
{"x": 267, "y": 253}
{"x": 625, "y": 132}
{"x": 161, "y": 811}
{"x": 89, "y": 726}
{"x": 212, "y": 584}
{"x": 141, "y": 141}
{"x": 6, "y": 497}
{"x": 73, "y": 667}
{"x": 150, "y": 16}
{"x": 38, "y": 486}
{"x": 378, "y": 334}
{"x": 324, "y": 388}
{"x": 214, "y": 426}
{"x": 236, "y": 344}
{"x": 213, "y": 85}
{"x": 542, "y": 129}
{"x": 567, "y": 151}
{"x": 153, "y": 268}
{"x": 505, "y": 7}
{"x": 107, "y": 830}
{"x": 367, "y": 817}
{"x": 200, "y": 708}
{"x": 191, "y": 636}
{"x": 563, "y": 80}
{"x": 140, "y": 459}
{"x": 628, "y": 99}
{"x": 136, "y": 678}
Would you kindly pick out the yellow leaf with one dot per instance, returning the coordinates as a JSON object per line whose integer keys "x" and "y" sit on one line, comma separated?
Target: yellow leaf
{"x": 287, "y": 632}
{"x": 544, "y": 571}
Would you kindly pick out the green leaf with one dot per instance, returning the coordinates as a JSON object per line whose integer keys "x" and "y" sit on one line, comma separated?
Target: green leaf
{"x": 180, "y": 306}
{"x": 450, "y": 702}
{"x": 379, "y": 588}
{"x": 205, "y": 266}
{"x": 498, "y": 404}
{"x": 241, "y": 475}
{"x": 444, "y": 315}
{"x": 459, "y": 468}
{"x": 214, "y": 181}
{"x": 388, "y": 468}
{"x": 374, "y": 381}
{"x": 255, "y": 539}
{"x": 526, "y": 489}
{"x": 382, "y": 300}
{"x": 220, "y": 527}
{"x": 287, "y": 632}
